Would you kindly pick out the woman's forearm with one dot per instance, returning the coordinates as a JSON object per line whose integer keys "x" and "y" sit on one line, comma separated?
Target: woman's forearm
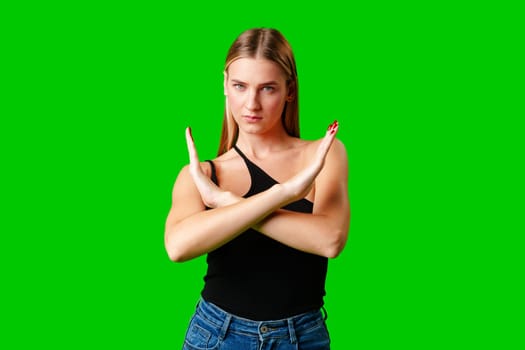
{"x": 207, "y": 230}
{"x": 311, "y": 233}
{"x": 323, "y": 232}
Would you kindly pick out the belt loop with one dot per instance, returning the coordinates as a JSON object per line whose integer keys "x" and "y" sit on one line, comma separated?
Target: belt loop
{"x": 225, "y": 326}
{"x": 291, "y": 330}
{"x": 325, "y": 313}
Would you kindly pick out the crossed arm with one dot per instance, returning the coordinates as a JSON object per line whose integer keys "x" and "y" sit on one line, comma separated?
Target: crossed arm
{"x": 192, "y": 231}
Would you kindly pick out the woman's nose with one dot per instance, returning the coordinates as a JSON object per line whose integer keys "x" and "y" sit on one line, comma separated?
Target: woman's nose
{"x": 252, "y": 102}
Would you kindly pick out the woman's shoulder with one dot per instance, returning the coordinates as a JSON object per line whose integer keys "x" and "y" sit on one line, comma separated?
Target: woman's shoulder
{"x": 337, "y": 147}
{"x": 226, "y": 156}
{"x": 227, "y": 160}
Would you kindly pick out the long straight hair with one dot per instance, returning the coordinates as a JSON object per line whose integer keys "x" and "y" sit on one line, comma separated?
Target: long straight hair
{"x": 269, "y": 44}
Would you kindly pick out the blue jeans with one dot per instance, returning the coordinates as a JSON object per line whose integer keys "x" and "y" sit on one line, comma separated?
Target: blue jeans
{"x": 213, "y": 328}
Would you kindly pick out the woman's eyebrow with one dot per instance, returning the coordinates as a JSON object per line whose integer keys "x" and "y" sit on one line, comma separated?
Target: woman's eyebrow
{"x": 272, "y": 82}
{"x": 238, "y": 81}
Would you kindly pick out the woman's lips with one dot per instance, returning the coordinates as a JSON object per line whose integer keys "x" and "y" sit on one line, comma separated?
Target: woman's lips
{"x": 251, "y": 118}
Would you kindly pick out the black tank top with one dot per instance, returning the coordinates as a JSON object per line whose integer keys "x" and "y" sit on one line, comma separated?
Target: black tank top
{"x": 258, "y": 278}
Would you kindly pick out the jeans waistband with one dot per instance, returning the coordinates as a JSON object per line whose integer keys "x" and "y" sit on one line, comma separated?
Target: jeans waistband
{"x": 262, "y": 329}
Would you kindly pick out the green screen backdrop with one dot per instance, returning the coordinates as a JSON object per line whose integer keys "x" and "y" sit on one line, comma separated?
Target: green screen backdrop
{"x": 96, "y": 97}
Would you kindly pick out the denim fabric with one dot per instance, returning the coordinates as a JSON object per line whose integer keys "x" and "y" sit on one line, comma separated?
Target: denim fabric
{"x": 212, "y": 328}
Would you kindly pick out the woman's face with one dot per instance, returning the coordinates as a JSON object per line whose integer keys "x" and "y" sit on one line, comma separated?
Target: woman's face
{"x": 257, "y": 92}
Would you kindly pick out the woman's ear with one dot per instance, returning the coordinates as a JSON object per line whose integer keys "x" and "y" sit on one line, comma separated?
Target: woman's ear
{"x": 290, "y": 96}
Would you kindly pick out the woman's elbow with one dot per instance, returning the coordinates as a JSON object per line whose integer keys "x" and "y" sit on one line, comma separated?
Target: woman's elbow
{"x": 333, "y": 251}
{"x": 337, "y": 245}
{"x": 175, "y": 253}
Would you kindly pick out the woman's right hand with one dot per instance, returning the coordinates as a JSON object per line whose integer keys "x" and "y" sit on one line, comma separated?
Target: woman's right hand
{"x": 211, "y": 194}
{"x": 298, "y": 186}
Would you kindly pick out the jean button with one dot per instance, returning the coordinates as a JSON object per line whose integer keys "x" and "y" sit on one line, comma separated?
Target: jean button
{"x": 264, "y": 329}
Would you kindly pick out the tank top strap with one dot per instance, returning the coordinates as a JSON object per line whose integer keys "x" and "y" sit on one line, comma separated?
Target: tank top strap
{"x": 213, "y": 173}
{"x": 260, "y": 180}
{"x": 255, "y": 171}
{"x": 243, "y": 156}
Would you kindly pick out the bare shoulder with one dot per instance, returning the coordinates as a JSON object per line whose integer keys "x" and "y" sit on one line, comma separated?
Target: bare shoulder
{"x": 338, "y": 150}
{"x": 221, "y": 162}
{"x": 336, "y": 153}
{"x": 206, "y": 166}
{"x": 226, "y": 156}
{"x": 230, "y": 172}
{"x": 182, "y": 181}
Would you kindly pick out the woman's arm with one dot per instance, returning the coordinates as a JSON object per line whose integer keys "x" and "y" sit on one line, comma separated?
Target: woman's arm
{"x": 192, "y": 231}
{"x": 325, "y": 231}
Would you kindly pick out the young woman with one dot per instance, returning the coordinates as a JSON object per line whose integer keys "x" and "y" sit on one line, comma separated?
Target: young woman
{"x": 269, "y": 210}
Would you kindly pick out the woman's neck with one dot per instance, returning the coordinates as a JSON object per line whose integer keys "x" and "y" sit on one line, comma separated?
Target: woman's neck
{"x": 262, "y": 145}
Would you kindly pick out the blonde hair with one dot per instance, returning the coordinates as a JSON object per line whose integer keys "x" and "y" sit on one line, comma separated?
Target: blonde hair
{"x": 269, "y": 44}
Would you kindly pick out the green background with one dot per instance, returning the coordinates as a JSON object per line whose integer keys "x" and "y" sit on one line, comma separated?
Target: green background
{"x": 95, "y": 100}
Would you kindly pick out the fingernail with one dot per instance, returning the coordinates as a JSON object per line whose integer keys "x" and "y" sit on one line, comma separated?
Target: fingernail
{"x": 334, "y": 127}
{"x": 189, "y": 129}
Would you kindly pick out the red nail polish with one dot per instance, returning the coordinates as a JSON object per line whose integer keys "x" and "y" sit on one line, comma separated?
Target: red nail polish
{"x": 334, "y": 127}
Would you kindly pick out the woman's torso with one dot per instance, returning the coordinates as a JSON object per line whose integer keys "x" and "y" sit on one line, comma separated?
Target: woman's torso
{"x": 254, "y": 276}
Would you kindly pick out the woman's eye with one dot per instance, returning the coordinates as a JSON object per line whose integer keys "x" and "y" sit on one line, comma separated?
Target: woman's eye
{"x": 238, "y": 86}
{"x": 268, "y": 88}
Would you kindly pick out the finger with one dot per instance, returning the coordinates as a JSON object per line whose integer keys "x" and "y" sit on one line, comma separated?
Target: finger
{"x": 192, "y": 151}
{"x": 333, "y": 128}
{"x": 328, "y": 138}
{"x": 331, "y": 131}
{"x": 200, "y": 179}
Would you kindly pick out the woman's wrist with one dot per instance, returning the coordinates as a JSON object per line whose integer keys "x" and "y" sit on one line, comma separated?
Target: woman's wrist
{"x": 229, "y": 198}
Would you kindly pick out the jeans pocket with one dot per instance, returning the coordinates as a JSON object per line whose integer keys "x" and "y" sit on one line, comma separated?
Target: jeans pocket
{"x": 201, "y": 335}
{"x": 316, "y": 338}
